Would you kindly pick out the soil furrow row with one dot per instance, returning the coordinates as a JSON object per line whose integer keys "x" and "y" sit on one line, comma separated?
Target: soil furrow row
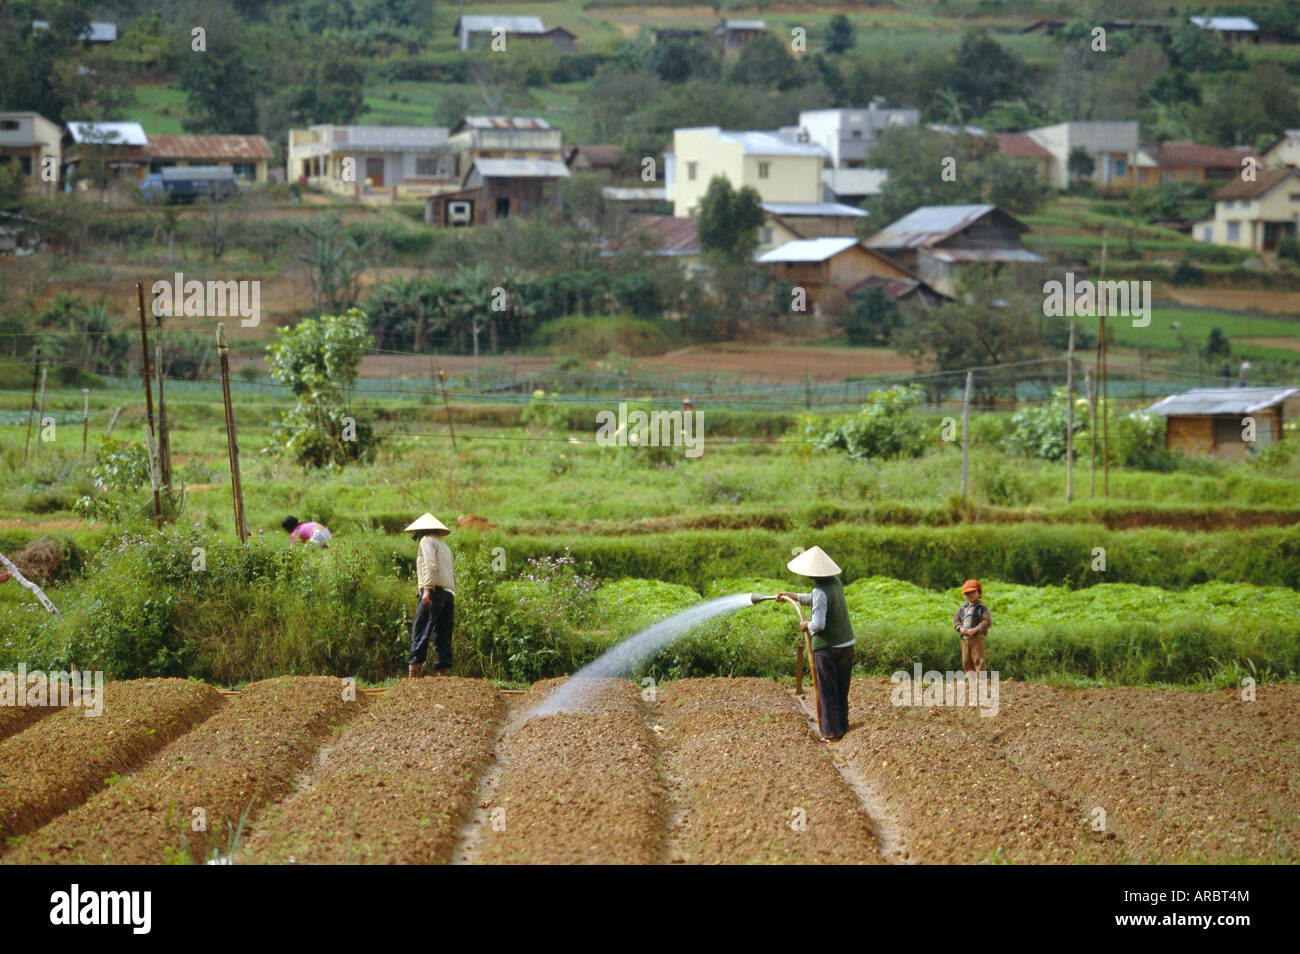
{"x": 396, "y": 787}
{"x": 956, "y": 800}
{"x": 578, "y": 787}
{"x": 190, "y": 802}
{"x": 60, "y": 761}
{"x": 752, "y": 785}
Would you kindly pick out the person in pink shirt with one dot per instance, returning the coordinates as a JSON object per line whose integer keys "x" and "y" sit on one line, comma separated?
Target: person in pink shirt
{"x": 309, "y": 532}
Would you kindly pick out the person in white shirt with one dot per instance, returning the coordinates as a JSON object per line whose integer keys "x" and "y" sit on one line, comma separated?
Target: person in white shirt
{"x": 436, "y": 589}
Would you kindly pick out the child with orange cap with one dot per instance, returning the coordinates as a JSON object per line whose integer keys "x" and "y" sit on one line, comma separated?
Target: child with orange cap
{"x": 972, "y": 620}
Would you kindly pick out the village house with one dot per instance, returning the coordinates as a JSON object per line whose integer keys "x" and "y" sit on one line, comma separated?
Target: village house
{"x": 1220, "y": 422}
{"x": 1254, "y": 215}
{"x": 1050, "y": 26}
{"x": 97, "y": 32}
{"x": 1185, "y": 162}
{"x": 788, "y": 221}
{"x": 1231, "y": 29}
{"x": 389, "y": 162}
{"x": 122, "y": 147}
{"x": 663, "y": 236}
{"x": 736, "y": 33}
{"x": 1284, "y": 151}
{"x": 35, "y": 144}
{"x": 248, "y": 156}
{"x": 501, "y": 137}
{"x": 934, "y": 242}
{"x": 780, "y": 170}
{"x": 847, "y": 135}
{"x": 1108, "y": 144}
{"x": 826, "y": 269}
{"x": 1020, "y": 146}
{"x": 495, "y": 189}
{"x": 480, "y": 30}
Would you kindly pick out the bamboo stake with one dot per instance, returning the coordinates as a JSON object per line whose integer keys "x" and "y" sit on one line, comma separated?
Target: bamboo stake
{"x": 148, "y": 401}
{"x": 40, "y": 414}
{"x": 965, "y": 433}
{"x": 442, "y": 381}
{"x": 807, "y": 642}
{"x": 85, "y": 419}
{"x": 1069, "y": 418}
{"x": 36, "y": 374}
{"x": 232, "y": 438}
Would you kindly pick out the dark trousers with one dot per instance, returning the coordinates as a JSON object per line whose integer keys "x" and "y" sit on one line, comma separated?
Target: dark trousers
{"x": 434, "y": 620}
{"x": 834, "y": 669}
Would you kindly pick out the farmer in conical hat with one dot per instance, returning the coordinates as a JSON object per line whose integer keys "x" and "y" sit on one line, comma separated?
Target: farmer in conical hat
{"x": 972, "y": 621}
{"x": 436, "y": 585}
{"x": 832, "y": 637}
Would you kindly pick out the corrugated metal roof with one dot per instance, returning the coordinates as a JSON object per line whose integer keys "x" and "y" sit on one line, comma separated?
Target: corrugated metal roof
{"x": 209, "y": 147}
{"x": 521, "y": 168}
{"x": 755, "y": 143}
{"x": 633, "y": 193}
{"x": 807, "y": 250}
{"x": 116, "y": 134}
{"x": 97, "y": 31}
{"x": 746, "y": 24}
{"x": 504, "y": 122}
{"x": 854, "y": 181}
{"x": 1210, "y": 401}
{"x": 928, "y": 225}
{"x": 1229, "y": 24}
{"x": 390, "y": 138}
{"x": 813, "y": 208}
{"x": 959, "y": 255}
{"x": 658, "y": 235}
{"x": 486, "y": 24}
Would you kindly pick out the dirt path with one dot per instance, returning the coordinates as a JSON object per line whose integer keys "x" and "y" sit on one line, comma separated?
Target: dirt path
{"x": 474, "y": 833}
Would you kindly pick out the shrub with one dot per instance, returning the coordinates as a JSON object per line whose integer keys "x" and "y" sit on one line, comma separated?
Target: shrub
{"x": 885, "y": 428}
{"x": 1040, "y": 430}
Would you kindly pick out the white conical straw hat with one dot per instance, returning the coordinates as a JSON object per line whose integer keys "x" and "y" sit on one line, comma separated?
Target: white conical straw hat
{"x": 813, "y": 562}
{"x": 428, "y": 522}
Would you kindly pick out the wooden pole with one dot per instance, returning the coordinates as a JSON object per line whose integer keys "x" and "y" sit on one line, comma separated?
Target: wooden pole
{"x": 23, "y": 581}
{"x": 117, "y": 412}
{"x": 1069, "y": 418}
{"x": 164, "y": 426}
{"x": 451, "y": 426}
{"x": 232, "y": 437}
{"x": 1092, "y": 433}
{"x": 1105, "y": 412}
{"x": 40, "y": 413}
{"x": 85, "y": 419}
{"x": 148, "y": 402}
{"x": 965, "y": 434}
{"x": 36, "y": 376}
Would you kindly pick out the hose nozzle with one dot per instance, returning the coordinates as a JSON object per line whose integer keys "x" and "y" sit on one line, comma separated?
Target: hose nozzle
{"x": 756, "y": 598}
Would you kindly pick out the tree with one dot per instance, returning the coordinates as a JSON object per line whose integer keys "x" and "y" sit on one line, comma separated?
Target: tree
{"x": 318, "y": 360}
{"x": 839, "y": 35}
{"x": 1217, "y": 345}
{"x": 983, "y": 72}
{"x": 765, "y": 61}
{"x": 331, "y": 93}
{"x": 872, "y": 317}
{"x": 1079, "y": 164}
{"x": 334, "y": 262}
{"x": 221, "y": 85}
{"x": 728, "y": 221}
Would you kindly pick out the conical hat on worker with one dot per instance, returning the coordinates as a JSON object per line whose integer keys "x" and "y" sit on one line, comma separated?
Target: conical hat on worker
{"x": 428, "y": 522}
{"x": 813, "y": 562}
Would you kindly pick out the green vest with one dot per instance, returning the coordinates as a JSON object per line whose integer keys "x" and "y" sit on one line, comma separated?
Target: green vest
{"x": 838, "y": 627}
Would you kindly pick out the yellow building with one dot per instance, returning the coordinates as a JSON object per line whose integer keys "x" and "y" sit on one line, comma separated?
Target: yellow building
{"x": 36, "y": 144}
{"x": 501, "y": 137}
{"x": 398, "y": 162}
{"x": 780, "y": 169}
{"x": 1254, "y": 215}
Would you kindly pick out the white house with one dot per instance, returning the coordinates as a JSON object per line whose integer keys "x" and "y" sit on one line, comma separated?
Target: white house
{"x": 1108, "y": 143}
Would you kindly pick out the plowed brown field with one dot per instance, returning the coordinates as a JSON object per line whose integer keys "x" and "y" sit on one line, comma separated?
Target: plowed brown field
{"x": 698, "y": 771}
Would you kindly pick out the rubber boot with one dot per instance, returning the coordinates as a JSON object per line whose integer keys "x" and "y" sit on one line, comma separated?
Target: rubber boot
{"x": 413, "y": 670}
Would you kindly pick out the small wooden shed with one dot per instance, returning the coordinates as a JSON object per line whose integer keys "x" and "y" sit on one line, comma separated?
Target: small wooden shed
{"x": 1217, "y": 422}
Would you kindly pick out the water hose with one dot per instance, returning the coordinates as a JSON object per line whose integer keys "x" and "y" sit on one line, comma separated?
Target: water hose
{"x": 807, "y": 645}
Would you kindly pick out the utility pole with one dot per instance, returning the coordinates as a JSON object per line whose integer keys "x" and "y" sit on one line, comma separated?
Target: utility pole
{"x": 965, "y": 434}
{"x": 1069, "y": 418}
{"x": 148, "y": 404}
{"x": 36, "y": 376}
{"x": 232, "y": 437}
